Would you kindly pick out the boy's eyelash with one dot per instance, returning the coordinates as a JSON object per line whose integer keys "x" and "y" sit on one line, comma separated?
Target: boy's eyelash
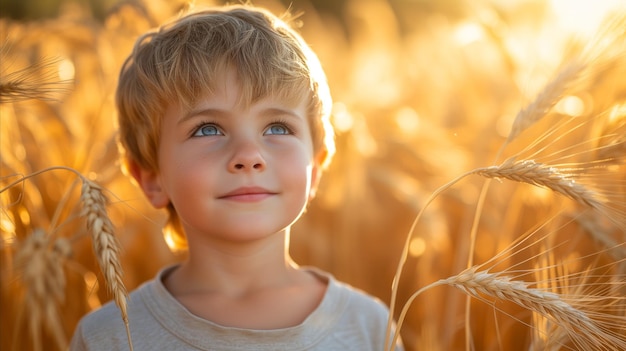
{"x": 285, "y": 124}
{"x": 202, "y": 124}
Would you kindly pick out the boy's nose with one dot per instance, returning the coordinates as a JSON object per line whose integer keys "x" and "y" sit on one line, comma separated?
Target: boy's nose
{"x": 247, "y": 157}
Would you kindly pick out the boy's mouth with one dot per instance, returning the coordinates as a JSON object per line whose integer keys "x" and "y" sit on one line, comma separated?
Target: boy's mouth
{"x": 247, "y": 194}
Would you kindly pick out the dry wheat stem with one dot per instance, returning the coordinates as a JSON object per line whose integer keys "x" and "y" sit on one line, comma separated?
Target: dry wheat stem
{"x": 482, "y": 198}
{"x": 105, "y": 245}
{"x": 405, "y": 310}
{"x": 22, "y": 178}
{"x": 546, "y": 334}
{"x": 403, "y": 257}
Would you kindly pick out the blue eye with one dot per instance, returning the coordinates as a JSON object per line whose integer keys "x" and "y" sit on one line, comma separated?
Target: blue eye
{"x": 277, "y": 129}
{"x": 206, "y": 130}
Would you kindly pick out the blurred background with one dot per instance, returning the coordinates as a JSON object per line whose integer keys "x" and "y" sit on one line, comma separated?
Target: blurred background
{"x": 424, "y": 90}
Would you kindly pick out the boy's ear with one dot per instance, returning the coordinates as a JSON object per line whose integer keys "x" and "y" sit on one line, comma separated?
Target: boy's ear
{"x": 150, "y": 183}
{"x": 316, "y": 173}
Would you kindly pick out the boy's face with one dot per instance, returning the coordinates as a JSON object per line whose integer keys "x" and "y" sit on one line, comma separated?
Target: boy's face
{"x": 234, "y": 172}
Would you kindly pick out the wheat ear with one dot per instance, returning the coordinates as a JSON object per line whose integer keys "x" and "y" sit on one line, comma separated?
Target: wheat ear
{"x": 36, "y": 81}
{"x": 569, "y": 75}
{"x": 40, "y": 265}
{"x": 105, "y": 245}
{"x": 580, "y": 327}
{"x": 531, "y": 172}
{"x": 598, "y": 53}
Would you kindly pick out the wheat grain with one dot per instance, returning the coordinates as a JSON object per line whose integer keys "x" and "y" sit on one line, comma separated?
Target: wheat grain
{"x": 105, "y": 244}
{"x": 531, "y": 172}
{"x": 547, "y": 98}
{"x": 583, "y": 331}
{"x": 41, "y": 270}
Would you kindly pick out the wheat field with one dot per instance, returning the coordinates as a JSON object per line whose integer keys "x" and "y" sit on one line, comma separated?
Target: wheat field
{"x": 479, "y": 185}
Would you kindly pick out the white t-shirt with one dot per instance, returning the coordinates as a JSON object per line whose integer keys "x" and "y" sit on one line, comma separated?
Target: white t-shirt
{"x": 346, "y": 319}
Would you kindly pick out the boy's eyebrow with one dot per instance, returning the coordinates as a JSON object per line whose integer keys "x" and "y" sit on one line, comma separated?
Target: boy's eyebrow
{"x": 268, "y": 112}
{"x": 272, "y": 111}
{"x": 203, "y": 111}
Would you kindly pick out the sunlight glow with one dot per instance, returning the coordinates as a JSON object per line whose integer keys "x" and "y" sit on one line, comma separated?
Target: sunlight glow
{"x": 20, "y": 152}
{"x": 467, "y": 33}
{"x": 342, "y": 120}
{"x": 582, "y": 16}
{"x": 536, "y": 195}
{"x": 503, "y": 125}
{"x": 417, "y": 247}
{"x": 7, "y": 228}
{"x": 617, "y": 113}
{"x": 91, "y": 281}
{"x": 363, "y": 140}
{"x": 66, "y": 70}
{"x": 408, "y": 120}
{"x": 24, "y": 217}
{"x": 169, "y": 238}
{"x": 570, "y": 105}
{"x": 372, "y": 78}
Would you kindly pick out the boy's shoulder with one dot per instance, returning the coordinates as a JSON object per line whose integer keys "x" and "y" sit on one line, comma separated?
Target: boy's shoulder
{"x": 362, "y": 299}
{"x": 105, "y": 327}
{"x": 351, "y": 303}
{"x": 109, "y": 315}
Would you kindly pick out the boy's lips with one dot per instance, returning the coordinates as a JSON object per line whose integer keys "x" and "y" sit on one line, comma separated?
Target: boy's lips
{"x": 247, "y": 194}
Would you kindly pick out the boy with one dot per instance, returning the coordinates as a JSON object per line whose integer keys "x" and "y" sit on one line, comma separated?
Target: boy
{"x": 223, "y": 119}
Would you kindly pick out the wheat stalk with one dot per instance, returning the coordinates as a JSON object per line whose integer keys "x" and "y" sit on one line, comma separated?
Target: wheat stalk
{"x": 105, "y": 245}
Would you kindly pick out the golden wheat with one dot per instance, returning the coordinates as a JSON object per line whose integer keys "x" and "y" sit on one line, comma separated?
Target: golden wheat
{"x": 531, "y": 172}
{"x": 569, "y": 76}
{"x": 602, "y": 51}
{"x": 40, "y": 266}
{"x": 105, "y": 244}
{"x": 37, "y": 82}
{"x": 429, "y": 71}
{"x": 582, "y": 329}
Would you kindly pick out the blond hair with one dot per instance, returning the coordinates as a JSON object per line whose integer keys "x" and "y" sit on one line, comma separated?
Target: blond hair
{"x": 185, "y": 59}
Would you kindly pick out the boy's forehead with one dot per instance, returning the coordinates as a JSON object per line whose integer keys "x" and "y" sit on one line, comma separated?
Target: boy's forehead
{"x": 230, "y": 88}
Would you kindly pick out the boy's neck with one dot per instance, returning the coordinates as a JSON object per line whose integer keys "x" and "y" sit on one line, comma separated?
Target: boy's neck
{"x": 235, "y": 268}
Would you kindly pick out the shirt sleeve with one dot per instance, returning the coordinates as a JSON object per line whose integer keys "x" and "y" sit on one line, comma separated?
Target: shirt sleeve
{"x": 78, "y": 343}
